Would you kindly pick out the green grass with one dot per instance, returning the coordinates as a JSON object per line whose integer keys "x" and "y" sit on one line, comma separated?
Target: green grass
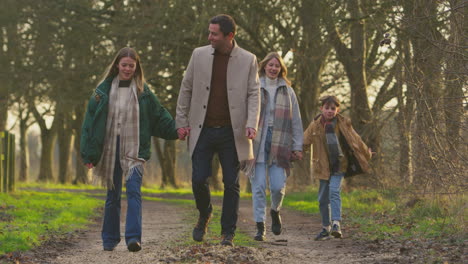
{"x": 304, "y": 202}
{"x": 27, "y": 218}
{"x": 383, "y": 214}
{"x": 183, "y": 192}
{"x": 58, "y": 186}
{"x": 172, "y": 191}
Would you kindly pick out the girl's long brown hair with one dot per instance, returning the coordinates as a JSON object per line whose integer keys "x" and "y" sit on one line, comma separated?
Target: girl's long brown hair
{"x": 113, "y": 70}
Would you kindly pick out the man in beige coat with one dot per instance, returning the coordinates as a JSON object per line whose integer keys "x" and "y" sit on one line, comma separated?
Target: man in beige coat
{"x": 218, "y": 108}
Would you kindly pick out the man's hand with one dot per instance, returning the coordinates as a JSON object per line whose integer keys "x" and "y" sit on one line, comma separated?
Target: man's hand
{"x": 183, "y": 132}
{"x": 89, "y": 165}
{"x": 250, "y": 133}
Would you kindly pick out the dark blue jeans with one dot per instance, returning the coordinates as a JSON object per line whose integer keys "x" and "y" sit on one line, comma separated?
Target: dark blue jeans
{"x": 221, "y": 141}
{"x": 111, "y": 226}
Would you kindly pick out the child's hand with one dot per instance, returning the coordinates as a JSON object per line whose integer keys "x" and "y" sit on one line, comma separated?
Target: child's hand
{"x": 296, "y": 155}
{"x": 371, "y": 152}
{"x": 250, "y": 133}
{"x": 89, "y": 165}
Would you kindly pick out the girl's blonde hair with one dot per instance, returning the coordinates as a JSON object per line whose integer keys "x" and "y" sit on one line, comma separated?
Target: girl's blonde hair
{"x": 113, "y": 70}
{"x": 283, "y": 72}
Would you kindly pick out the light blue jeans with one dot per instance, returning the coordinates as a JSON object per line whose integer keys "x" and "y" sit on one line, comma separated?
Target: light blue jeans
{"x": 277, "y": 178}
{"x": 329, "y": 196}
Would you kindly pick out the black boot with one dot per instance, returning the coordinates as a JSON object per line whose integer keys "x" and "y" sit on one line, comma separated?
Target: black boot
{"x": 261, "y": 232}
{"x": 275, "y": 222}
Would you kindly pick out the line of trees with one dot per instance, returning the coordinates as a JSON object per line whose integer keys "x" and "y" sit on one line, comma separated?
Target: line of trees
{"x": 398, "y": 65}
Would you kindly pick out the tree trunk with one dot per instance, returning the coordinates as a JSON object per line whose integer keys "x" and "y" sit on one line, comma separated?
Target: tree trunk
{"x": 45, "y": 171}
{"x": 65, "y": 146}
{"x": 353, "y": 60}
{"x": 3, "y": 107}
{"x": 167, "y": 161}
{"x": 81, "y": 173}
{"x": 427, "y": 77}
{"x": 406, "y": 110}
{"x": 310, "y": 59}
{"x": 24, "y": 152}
{"x": 356, "y": 69}
{"x": 455, "y": 79}
{"x": 47, "y": 140}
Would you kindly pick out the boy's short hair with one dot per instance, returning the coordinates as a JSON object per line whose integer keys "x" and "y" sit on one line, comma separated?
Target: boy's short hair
{"x": 330, "y": 99}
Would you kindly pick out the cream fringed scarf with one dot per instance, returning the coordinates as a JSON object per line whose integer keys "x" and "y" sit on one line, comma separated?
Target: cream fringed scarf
{"x": 129, "y": 137}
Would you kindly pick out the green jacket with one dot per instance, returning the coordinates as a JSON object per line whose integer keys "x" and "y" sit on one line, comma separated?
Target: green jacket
{"x": 155, "y": 120}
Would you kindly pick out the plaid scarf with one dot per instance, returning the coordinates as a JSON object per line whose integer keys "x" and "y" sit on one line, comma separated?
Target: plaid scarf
{"x": 333, "y": 145}
{"x": 281, "y": 143}
{"x": 129, "y": 137}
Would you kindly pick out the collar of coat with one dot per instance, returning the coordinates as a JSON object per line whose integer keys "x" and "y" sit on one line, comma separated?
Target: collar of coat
{"x": 339, "y": 117}
{"x": 103, "y": 88}
{"x": 281, "y": 82}
{"x": 234, "y": 52}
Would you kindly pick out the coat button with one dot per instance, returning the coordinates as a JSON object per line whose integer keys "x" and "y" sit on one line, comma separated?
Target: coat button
{"x": 207, "y": 88}
{"x": 204, "y": 106}
{"x": 199, "y": 126}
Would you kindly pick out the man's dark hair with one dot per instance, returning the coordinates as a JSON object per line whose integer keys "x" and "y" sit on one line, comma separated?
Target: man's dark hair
{"x": 226, "y": 23}
{"x": 330, "y": 99}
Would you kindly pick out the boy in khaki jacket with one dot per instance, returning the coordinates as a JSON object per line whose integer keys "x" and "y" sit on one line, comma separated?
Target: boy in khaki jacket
{"x": 338, "y": 151}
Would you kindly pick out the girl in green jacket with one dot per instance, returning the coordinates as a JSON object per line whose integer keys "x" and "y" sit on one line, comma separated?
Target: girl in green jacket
{"x": 121, "y": 117}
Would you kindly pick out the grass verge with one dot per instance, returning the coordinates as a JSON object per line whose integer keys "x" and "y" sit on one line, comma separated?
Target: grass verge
{"x": 384, "y": 214}
{"x": 28, "y": 218}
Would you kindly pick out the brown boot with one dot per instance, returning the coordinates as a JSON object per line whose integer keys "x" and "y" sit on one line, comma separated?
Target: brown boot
{"x": 202, "y": 226}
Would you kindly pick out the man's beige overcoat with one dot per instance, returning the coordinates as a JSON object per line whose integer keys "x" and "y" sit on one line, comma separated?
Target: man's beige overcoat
{"x": 243, "y": 88}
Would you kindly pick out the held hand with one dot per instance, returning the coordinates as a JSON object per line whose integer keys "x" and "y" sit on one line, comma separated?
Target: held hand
{"x": 371, "y": 152}
{"x": 296, "y": 155}
{"x": 183, "y": 132}
{"x": 250, "y": 133}
{"x": 89, "y": 165}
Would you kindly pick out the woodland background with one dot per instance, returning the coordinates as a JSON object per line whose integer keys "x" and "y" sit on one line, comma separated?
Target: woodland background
{"x": 399, "y": 67}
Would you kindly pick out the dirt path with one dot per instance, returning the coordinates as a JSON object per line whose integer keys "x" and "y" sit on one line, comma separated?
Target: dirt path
{"x": 300, "y": 247}
{"x": 165, "y": 225}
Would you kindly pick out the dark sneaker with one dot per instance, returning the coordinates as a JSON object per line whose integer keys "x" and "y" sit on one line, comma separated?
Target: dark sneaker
{"x": 260, "y": 236}
{"x": 275, "y": 222}
{"x": 202, "y": 226}
{"x": 134, "y": 245}
{"x": 324, "y": 235}
{"x": 227, "y": 240}
{"x": 336, "y": 231}
{"x": 109, "y": 248}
